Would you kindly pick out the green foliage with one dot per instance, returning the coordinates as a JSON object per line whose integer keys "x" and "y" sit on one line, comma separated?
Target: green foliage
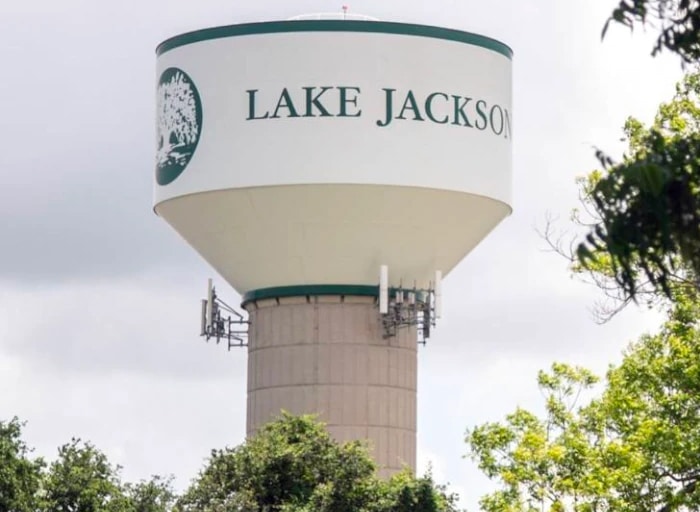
{"x": 20, "y": 476}
{"x": 406, "y": 493}
{"x": 83, "y": 480}
{"x": 653, "y": 403}
{"x": 678, "y": 23}
{"x": 538, "y": 461}
{"x": 646, "y": 237}
{"x": 293, "y": 465}
{"x": 290, "y": 462}
{"x": 633, "y": 448}
{"x": 154, "y": 495}
{"x": 647, "y": 208}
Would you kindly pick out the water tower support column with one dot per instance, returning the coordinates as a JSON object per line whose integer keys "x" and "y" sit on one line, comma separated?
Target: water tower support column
{"x": 327, "y": 354}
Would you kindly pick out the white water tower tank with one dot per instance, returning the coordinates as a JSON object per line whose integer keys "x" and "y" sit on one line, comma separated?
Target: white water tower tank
{"x": 299, "y": 156}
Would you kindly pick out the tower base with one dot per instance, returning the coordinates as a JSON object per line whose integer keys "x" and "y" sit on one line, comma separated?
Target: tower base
{"x": 327, "y": 355}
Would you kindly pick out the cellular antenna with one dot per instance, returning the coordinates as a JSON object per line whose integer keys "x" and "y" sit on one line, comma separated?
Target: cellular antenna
{"x": 438, "y": 294}
{"x": 404, "y": 308}
{"x": 383, "y": 289}
{"x": 221, "y": 322}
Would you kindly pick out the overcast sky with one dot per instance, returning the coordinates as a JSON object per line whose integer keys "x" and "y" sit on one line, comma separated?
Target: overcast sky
{"x": 99, "y": 299}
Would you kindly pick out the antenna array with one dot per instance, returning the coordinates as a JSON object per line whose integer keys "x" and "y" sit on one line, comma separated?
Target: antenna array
{"x": 409, "y": 307}
{"x": 399, "y": 307}
{"x": 217, "y": 324}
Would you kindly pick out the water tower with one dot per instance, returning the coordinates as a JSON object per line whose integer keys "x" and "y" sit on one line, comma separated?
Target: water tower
{"x": 331, "y": 171}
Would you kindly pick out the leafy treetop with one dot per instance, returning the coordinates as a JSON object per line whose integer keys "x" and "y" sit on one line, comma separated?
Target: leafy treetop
{"x": 646, "y": 234}
{"x": 678, "y": 23}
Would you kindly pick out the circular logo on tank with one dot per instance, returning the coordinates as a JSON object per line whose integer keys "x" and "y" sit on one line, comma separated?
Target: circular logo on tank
{"x": 179, "y": 124}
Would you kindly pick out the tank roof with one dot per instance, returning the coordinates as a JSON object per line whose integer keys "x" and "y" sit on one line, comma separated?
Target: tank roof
{"x": 333, "y": 16}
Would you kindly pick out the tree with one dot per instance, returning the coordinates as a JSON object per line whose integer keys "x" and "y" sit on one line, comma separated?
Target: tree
{"x": 644, "y": 235}
{"x": 647, "y": 205}
{"x": 634, "y": 448}
{"x": 80, "y": 480}
{"x": 20, "y": 476}
{"x": 293, "y": 465}
{"x": 83, "y": 480}
{"x": 540, "y": 463}
{"x": 406, "y": 493}
{"x": 678, "y": 22}
{"x": 154, "y": 495}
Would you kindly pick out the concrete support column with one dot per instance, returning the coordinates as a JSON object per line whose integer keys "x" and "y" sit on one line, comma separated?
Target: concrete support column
{"x": 327, "y": 355}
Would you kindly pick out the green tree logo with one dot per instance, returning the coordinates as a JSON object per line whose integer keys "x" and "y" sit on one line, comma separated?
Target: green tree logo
{"x": 179, "y": 124}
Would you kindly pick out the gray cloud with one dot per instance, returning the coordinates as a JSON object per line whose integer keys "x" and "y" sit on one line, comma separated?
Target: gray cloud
{"x": 149, "y": 426}
{"x": 146, "y": 326}
{"x": 77, "y": 160}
